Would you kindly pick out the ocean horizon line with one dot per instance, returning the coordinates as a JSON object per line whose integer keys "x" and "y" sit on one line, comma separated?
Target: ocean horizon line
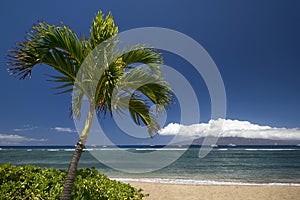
{"x": 147, "y": 146}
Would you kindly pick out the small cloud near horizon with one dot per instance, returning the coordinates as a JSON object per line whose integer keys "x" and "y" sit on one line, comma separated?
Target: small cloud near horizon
{"x": 63, "y": 129}
{"x": 231, "y": 128}
{"x": 13, "y": 139}
{"x": 25, "y": 128}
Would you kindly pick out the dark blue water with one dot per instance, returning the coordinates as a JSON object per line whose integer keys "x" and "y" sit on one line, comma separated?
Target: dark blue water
{"x": 226, "y": 164}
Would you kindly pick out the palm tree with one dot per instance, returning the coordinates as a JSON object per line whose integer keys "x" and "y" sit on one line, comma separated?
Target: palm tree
{"x": 60, "y": 48}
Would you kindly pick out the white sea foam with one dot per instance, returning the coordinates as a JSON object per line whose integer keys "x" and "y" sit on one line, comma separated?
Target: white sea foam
{"x": 137, "y": 149}
{"x": 223, "y": 149}
{"x": 108, "y": 149}
{"x": 198, "y": 182}
{"x": 69, "y": 149}
{"x": 270, "y": 149}
{"x": 52, "y": 149}
{"x": 88, "y": 149}
{"x": 160, "y": 149}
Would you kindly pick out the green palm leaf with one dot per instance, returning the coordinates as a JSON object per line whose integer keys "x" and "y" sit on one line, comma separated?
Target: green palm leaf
{"x": 102, "y": 29}
{"x": 141, "y": 114}
{"x": 55, "y": 46}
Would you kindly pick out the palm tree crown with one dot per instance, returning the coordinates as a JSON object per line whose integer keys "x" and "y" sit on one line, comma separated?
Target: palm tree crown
{"x": 60, "y": 48}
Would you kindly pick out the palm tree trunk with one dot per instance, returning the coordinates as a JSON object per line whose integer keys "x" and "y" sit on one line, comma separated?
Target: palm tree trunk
{"x": 66, "y": 194}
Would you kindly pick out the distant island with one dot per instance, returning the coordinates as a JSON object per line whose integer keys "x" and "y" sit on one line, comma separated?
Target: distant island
{"x": 239, "y": 141}
{"x": 222, "y": 141}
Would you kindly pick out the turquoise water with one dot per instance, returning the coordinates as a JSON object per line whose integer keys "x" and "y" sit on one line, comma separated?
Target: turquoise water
{"x": 240, "y": 165}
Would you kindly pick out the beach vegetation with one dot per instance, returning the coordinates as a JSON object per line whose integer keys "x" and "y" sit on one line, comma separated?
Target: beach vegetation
{"x": 32, "y": 182}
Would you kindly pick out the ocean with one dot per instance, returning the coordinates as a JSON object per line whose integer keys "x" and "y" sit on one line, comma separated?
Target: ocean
{"x": 240, "y": 165}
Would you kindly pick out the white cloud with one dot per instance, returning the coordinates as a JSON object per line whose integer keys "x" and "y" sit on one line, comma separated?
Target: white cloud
{"x": 17, "y": 139}
{"x": 25, "y": 128}
{"x": 231, "y": 128}
{"x": 63, "y": 129}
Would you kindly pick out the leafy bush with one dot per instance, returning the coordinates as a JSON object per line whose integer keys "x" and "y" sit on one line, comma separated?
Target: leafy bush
{"x": 31, "y": 182}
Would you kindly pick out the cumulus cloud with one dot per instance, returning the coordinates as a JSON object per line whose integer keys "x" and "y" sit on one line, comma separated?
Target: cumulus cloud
{"x": 17, "y": 139}
{"x": 231, "y": 128}
{"x": 63, "y": 129}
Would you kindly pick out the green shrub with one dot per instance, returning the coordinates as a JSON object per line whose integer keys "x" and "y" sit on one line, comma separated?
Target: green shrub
{"x": 31, "y": 182}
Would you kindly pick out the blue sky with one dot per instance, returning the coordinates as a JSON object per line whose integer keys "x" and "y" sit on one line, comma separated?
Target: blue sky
{"x": 255, "y": 45}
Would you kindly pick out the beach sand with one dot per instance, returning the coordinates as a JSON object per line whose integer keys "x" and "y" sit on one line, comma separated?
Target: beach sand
{"x": 163, "y": 191}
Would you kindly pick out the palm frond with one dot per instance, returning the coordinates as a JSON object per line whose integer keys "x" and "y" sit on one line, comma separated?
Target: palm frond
{"x": 141, "y": 115}
{"x": 106, "y": 86}
{"x": 140, "y": 54}
{"x": 159, "y": 94}
{"x": 56, "y": 46}
{"x": 102, "y": 29}
{"x": 149, "y": 84}
{"x": 138, "y": 89}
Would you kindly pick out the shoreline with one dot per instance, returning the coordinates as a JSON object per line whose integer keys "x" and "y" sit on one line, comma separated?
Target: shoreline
{"x": 200, "y": 182}
{"x": 174, "y": 191}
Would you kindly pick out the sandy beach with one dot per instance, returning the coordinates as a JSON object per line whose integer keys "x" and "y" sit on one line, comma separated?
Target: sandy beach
{"x": 165, "y": 191}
